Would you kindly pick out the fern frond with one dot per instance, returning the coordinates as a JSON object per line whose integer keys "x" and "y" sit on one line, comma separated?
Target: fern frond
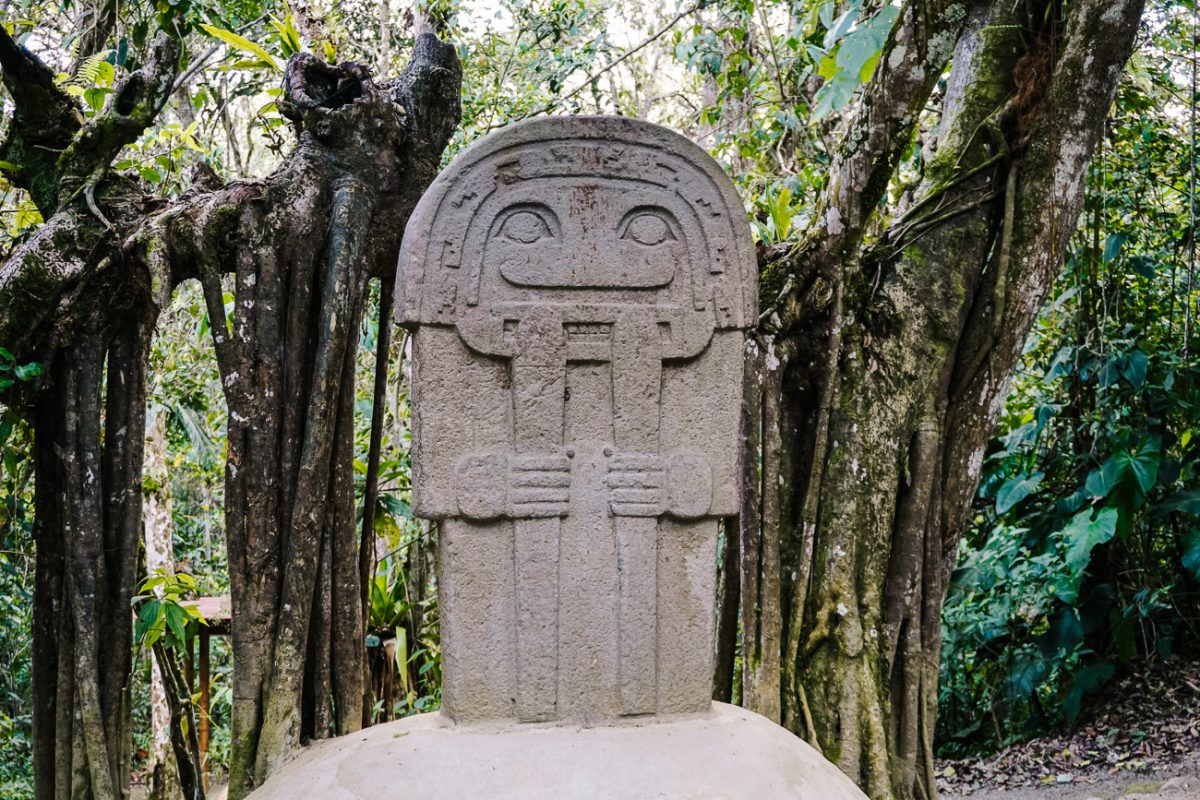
{"x": 89, "y": 71}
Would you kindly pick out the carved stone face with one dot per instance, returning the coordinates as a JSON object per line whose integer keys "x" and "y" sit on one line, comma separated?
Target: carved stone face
{"x": 588, "y": 235}
{"x": 615, "y": 216}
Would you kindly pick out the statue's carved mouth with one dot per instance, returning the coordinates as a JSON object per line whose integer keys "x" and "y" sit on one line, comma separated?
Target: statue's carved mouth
{"x": 588, "y": 331}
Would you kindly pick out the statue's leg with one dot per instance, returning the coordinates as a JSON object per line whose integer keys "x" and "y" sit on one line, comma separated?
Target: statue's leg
{"x": 536, "y": 546}
{"x": 687, "y": 575}
{"x": 476, "y": 563}
{"x": 637, "y": 482}
{"x": 637, "y": 557}
{"x": 540, "y": 483}
{"x": 475, "y": 591}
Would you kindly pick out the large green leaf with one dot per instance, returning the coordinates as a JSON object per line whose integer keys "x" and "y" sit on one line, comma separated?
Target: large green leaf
{"x": 24, "y": 372}
{"x": 147, "y": 616}
{"x": 1066, "y": 631}
{"x": 1088, "y": 680}
{"x": 1081, "y": 536}
{"x": 1026, "y": 671}
{"x": 1083, "y": 533}
{"x": 1188, "y": 501}
{"x": 176, "y": 621}
{"x": 1015, "y": 490}
{"x": 780, "y": 208}
{"x": 1101, "y": 481}
{"x": 1112, "y": 245}
{"x": 1135, "y": 369}
{"x": 1143, "y": 464}
{"x": 855, "y": 50}
{"x": 1191, "y": 552}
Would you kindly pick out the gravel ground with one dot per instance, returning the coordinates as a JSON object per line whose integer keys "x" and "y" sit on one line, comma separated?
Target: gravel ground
{"x": 1141, "y": 731}
{"x": 1180, "y": 781}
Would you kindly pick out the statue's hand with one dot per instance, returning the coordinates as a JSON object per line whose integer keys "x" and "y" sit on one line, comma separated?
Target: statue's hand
{"x": 540, "y": 485}
{"x": 646, "y": 486}
{"x": 492, "y": 485}
{"x": 689, "y": 485}
{"x": 481, "y": 484}
{"x": 635, "y": 484}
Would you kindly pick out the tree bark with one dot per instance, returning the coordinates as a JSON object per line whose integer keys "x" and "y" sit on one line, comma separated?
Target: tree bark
{"x": 160, "y": 557}
{"x": 302, "y": 252}
{"x": 69, "y": 299}
{"x": 90, "y": 480}
{"x": 896, "y": 353}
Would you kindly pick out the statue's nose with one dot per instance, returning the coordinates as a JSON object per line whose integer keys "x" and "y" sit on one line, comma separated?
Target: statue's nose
{"x": 590, "y": 256}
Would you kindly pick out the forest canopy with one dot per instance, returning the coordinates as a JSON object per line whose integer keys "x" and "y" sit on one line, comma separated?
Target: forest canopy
{"x": 970, "y": 427}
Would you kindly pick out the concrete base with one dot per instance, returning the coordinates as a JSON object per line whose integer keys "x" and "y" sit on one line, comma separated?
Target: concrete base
{"x": 729, "y": 754}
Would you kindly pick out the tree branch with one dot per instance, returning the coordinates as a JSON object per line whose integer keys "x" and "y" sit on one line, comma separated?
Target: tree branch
{"x": 45, "y": 120}
{"x": 871, "y": 141}
{"x": 429, "y": 91}
{"x": 97, "y": 21}
{"x": 875, "y": 135}
{"x": 1048, "y": 203}
{"x": 133, "y": 106}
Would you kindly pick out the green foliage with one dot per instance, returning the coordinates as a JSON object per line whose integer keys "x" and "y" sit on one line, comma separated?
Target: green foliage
{"x": 849, "y": 52}
{"x": 1085, "y": 549}
{"x": 16, "y": 585}
{"x": 522, "y": 62}
{"x": 395, "y": 614}
{"x": 1015, "y": 490}
{"x": 10, "y": 373}
{"x": 185, "y": 387}
{"x": 403, "y": 612}
{"x": 772, "y": 75}
{"x": 16, "y": 618}
{"x": 92, "y": 81}
{"x": 245, "y": 45}
{"x": 162, "y": 612}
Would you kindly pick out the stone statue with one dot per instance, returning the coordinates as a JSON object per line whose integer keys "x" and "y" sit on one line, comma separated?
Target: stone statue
{"x": 578, "y": 289}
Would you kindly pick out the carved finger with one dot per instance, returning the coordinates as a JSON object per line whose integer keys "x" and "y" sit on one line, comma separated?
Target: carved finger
{"x": 636, "y": 479}
{"x": 541, "y": 479}
{"x": 548, "y": 463}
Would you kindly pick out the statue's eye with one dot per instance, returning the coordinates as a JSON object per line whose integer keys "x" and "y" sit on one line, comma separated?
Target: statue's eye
{"x": 525, "y": 227}
{"x": 647, "y": 228}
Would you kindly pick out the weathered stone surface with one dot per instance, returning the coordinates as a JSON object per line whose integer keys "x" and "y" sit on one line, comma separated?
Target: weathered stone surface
{"x": 577, "y": 289}
{"x": 729, "y": 754}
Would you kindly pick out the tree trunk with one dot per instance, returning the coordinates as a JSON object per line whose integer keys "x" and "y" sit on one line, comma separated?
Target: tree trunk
{"x": 297, "y": 250}
{"x": 302, "y": 247}
{"x": 181, "y": 725}
{"x": 88, "y": 503}
{"x": 894, "y": 356}
{"x": 160, "y": 557}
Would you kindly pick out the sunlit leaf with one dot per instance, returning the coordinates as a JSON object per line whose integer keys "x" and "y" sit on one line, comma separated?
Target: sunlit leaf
{"x": 243, "y": 44}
